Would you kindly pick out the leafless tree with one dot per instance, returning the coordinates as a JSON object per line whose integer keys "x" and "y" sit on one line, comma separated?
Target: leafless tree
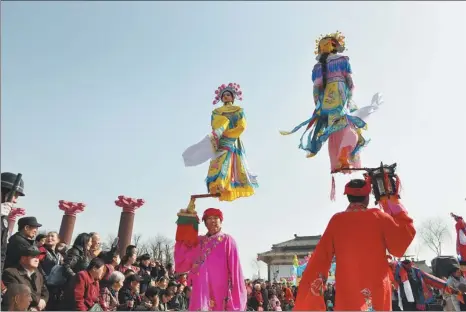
{"x": 161, "y": 248}
{"x": 255, "y": 264}
{"x": 433, "y": 233}
{"x": 136, "y": 239}
{"x": 107, "y": 244}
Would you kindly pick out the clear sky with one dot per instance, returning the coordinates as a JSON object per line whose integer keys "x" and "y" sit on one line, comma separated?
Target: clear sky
{"x": 101, "y": 99}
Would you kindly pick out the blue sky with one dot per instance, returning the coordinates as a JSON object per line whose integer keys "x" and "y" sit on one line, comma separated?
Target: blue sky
{"x": 101, "y": 99}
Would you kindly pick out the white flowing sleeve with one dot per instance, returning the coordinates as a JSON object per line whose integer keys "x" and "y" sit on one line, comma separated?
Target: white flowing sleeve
{"x": 200, "y": 152}
{"x": 366, "y": 111}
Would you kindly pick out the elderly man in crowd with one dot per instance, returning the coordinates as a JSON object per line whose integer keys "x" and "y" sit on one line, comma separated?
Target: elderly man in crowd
{"x": 27, "y": 273}
{"x": 24, "y": 238}
{"x": 17, "y": 298}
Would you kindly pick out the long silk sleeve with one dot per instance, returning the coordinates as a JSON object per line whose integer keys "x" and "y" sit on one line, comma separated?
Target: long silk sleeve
{"x": 398, "y": 227}
{"x": 184, "y": 257}
{"x": 311, "y": 292}
{"x": 238, "y": 130}
{"x": 238, "y": 297}
{"x": 219, "y": 125}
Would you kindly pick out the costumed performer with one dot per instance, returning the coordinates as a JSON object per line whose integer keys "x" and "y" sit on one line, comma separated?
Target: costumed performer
{"x": 228, "y": 177}
{"x": 335, "y": 117}
{"x": 362, "y": 276}
{"x": 413, "y": 286}
{"x": 213, "y": 266}
{"x": 460, "y": 227}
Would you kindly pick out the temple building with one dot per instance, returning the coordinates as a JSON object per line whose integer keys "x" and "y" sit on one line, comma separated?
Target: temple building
{"x": 279, "y": 259}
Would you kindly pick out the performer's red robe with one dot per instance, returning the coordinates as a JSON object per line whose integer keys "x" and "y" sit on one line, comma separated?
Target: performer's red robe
{"x": 359, "y": 238}
{"x": 460, "y": 227}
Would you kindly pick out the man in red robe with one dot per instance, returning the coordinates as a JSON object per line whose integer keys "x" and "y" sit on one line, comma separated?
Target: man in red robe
{"x": 460, "y": 228}
{"x": 359, "y": 238}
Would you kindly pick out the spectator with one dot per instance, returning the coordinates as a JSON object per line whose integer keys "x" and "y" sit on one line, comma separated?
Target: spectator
{"x": 95, "y": 248}
{"x": 51, "y": 259}
{"x": 27, "y": 273}
{"x": 274, "y": 303}
{"x": 40, "y": 240}
{"x": 170, "y": 271}
{"x": 51, "y": 255}
{"x": 62, "y": 248}
{"x": 158, "y": 271}
{"x": 24, "y": 238}
{"x": 175, "y": 303}
{"x": 128, "y": 260}
{"x": 455, "y": 278}
{"x": 265, "y": 296}
{"x": 129, "y": 293}
{"x": 150, "y": 301}
{"x": 185, "y": 298}
{"x": 165, "y": 297}
{"x": 145, "y": 269}
{"x": 84, "y": 291}
{"x": 109, "y": 294}
{"x": 77, "y": 258}
{"x": 162, "y": 282}
{"x": 17, "y": 298}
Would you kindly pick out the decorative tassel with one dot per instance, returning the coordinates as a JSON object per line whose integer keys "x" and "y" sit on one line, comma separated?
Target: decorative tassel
{"x": 333, "y": 191}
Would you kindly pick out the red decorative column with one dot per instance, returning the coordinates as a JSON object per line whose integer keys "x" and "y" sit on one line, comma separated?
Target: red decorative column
{"x": 14, "y": 214}
{"x": 69, "y": 219}
{"x": 125, "y": 231}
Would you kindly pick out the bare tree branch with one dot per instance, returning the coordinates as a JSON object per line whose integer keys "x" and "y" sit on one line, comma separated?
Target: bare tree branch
{"x": 107, "y": 244}
{"x": 161, "y": 248}
{"x": 136, "y": 239}
{"x": 433, "y": 233}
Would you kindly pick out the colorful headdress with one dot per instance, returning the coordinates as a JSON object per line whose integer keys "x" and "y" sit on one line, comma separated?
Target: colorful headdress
{"x": 212, "y": 212}
{"x": 233, "y": 88}
{"x": 339, "y": 38}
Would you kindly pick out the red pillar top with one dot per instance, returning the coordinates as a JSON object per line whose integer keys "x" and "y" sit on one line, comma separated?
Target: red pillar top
{"x": 70, "y": 208}
{"x": 16, "y": 212}
{"x": 129, "y": 204}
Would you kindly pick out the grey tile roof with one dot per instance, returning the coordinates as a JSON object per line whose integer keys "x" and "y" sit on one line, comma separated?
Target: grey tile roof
{"x": 299, "y": 241}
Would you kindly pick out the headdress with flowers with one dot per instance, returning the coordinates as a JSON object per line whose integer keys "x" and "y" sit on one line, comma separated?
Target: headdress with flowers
{"x": 338, "y": 36}
{"x": 233, "y": 88}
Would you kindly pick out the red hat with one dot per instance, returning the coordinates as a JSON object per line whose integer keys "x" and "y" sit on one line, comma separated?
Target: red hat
{"x": 212, "y": 212}
{"x": 360, "y": 191}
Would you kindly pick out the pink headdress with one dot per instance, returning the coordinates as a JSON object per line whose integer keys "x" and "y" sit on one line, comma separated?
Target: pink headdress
{"x": 233, "y": 88}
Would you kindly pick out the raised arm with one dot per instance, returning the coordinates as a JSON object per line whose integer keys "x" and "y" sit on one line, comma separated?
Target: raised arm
{"x": 311, "y": 287}
{"x": 186, "y": 246}
{"x": 398, "y": 228}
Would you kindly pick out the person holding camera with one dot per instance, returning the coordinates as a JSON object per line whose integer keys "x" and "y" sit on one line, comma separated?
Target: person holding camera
{"x": 359, "y": 238}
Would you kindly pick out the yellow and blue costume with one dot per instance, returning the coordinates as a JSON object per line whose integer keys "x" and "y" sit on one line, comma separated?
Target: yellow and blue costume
{"x": 228, "y": 175}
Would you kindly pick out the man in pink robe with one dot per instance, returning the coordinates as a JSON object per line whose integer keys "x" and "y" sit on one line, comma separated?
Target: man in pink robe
{"x": 214, "y": 269}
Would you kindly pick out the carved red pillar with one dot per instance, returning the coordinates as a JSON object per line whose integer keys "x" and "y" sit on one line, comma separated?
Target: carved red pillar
{"x": 69, "y": 219}
{"x": 125, "y": 230}
{"x": 14, "y": 214}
